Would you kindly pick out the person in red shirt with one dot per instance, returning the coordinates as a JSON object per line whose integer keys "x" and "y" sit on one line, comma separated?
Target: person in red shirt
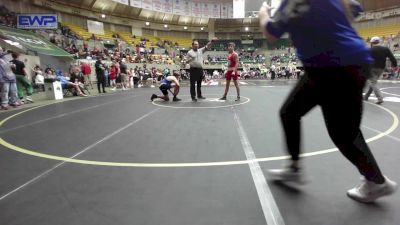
{"x": 87, "y": 71}
{"x": 231, "y": 72}
{"x": 113, "y": 76}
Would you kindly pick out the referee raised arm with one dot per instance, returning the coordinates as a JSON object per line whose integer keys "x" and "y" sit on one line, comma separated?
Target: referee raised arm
{"x": 195, "y": 59}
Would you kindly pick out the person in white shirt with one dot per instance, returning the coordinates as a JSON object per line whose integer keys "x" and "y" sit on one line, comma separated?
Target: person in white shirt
{"x": 39, "y": 78}
{"x": 195, "y": 59}
{"x": 215, "y": 74}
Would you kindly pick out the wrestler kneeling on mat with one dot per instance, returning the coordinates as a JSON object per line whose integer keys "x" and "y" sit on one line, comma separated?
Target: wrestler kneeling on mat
{"x": 165, "y": 85}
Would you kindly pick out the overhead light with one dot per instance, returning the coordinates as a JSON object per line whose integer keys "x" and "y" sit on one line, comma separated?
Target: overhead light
{"x": 246, "y": 28}
{"x": 185, "y": 27}
{"x": 103, "y": 16}
{"x": 202, "y": 28}
{"x": 147, "y": 23}
{"x": 165, "y": 26}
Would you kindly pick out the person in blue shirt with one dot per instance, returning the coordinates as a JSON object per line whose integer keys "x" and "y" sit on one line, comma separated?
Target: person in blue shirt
{"x": 67, "y": 84}
{"x": 337, "y": 65}
{"x": 165, "y": 85}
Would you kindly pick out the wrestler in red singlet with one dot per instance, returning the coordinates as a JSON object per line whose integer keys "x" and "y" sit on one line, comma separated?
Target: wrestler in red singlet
{"x": 231, "y": 72}
{"x": 232, "y": 61}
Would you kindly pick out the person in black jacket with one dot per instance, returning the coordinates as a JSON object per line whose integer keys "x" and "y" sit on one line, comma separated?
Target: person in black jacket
{"x": 380, "y": 54}
{"x": 101, "y": 79}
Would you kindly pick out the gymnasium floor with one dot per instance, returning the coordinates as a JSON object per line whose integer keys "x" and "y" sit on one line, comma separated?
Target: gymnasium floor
{"x": 119, "y": 159}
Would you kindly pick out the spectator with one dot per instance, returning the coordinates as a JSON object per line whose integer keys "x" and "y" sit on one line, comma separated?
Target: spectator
{"x": 22, "y": 80}
{"x": 39, "y": 80}
{"x": 124, "y": 74}
{"x": 77, "y": 76}
{"x": 8, "y": 83}
{"x": 87, "y": 71}
{"x": 65, "y": 84}
{"x": 100, "y": 75}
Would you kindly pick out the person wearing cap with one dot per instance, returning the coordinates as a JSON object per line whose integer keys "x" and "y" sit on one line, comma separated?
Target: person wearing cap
{"x": 380, "y": 54}
{"x": 341, "y": 61}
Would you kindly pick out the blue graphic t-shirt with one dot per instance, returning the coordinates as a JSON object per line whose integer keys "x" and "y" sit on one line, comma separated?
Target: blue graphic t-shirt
{"x": 321, "y": 32}
{"x": 165, "y": 81}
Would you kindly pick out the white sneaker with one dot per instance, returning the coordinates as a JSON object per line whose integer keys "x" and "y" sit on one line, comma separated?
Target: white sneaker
{"x": 29, "y": 99}
{"x": 287, "y": 174}
{"x": 369, "y": 191}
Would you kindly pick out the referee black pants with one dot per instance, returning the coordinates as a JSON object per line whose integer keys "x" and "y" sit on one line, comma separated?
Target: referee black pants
{"x": 196, "y": 75}
{"x": 338, "y": 91}
{"x": 101, "y": 80}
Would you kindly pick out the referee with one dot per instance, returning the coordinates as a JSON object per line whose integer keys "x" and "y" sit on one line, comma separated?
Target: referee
{"x": 195, "y": 60}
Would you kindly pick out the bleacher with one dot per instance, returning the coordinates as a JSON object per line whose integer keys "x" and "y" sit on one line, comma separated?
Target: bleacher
{"x": 107, "y": 35}
{"x": 85, "y": 35}
{"x": 220, "y": 45}
{"x": 127, "y": 37}
{"x": 182, "y": 42}
{"x": 381, "y": 31}
{"x": 152, "y": 41}
{"x": 78, "y": 30}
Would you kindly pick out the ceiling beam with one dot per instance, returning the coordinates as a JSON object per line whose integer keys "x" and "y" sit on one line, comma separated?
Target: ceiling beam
{"x": 92, "y": 4}
{"x": 138, "y": 14}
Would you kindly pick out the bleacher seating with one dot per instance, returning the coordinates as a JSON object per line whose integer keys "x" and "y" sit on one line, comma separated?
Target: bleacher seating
{"x": 220, "y": 45}
{"x": 182, "y": 42}
{"x": 381, "y": 31}
{"x": 78, "y": 30}
{"x": 85, "y": 35}
{"x": 127, "y": 37}
{"x": 152, "y": 41}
